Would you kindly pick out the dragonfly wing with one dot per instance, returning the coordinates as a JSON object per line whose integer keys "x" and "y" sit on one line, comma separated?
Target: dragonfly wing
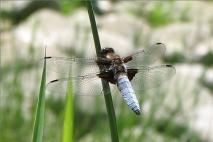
{"x": 82, "y": 85}
{"x": 147, "y": 56}
{"x": 63, "y": 65}
{"x": 151, "y": 77}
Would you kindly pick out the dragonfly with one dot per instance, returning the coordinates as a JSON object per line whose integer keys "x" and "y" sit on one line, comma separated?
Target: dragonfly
{"x": 129, "y": 74}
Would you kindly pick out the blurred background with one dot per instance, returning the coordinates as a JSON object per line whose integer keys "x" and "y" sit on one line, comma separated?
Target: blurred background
{"x": 181, "y": 110}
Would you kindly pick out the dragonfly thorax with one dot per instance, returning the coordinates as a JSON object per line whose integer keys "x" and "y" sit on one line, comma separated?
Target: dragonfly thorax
{"x": 118, "y": 67}
{"x": 105, "y": 51}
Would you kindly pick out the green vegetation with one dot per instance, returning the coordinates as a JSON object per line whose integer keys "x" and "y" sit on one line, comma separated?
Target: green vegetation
{"x": 106, "y": 89}
{"x": 68, "y": 6}
{"x": 40, "y": 110}
{"x": 69, "y": 114}
{"x": 161, "y": 14}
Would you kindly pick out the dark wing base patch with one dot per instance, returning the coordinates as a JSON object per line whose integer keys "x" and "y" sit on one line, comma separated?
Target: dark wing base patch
{"x": 131, "y": 73}
{"x": 108, "y": 76}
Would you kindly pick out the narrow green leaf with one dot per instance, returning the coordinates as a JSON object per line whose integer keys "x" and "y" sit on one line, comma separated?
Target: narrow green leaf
{"x": 106, "y": 88}
{"x": 68, "y": 115}
{"x": 40, "y": 109}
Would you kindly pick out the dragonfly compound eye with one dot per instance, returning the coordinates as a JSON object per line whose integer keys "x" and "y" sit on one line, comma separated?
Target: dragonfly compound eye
{"x": 107, "y": 50}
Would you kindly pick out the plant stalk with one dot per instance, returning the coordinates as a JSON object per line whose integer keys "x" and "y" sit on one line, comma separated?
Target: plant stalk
{"x": 40, "y": 109}
{"x": 106, "y": 88}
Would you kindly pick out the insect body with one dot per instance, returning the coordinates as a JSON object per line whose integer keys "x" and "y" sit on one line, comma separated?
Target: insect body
{"x": 120, "y": 77}
{"x": 130, "y": 73}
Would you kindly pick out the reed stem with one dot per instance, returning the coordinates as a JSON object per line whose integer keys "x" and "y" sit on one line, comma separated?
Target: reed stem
{"x": 106, "y": 88}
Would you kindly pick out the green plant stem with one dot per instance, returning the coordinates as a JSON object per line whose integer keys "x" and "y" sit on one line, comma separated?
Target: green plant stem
{"x": 106, "y": 88}
{"x": 68, "y": 115}
{"x": 40, "y": 110}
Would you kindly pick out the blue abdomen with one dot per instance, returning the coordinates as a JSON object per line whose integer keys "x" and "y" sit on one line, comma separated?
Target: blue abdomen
{"x": 128, "y": 93}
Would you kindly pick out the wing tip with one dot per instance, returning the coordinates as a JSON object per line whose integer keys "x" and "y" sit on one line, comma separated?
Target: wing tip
{"x": 47, "y": 57}
{"x": 172, "y": 67}
{"x": 160, "y": 43}
{"x": 52, "y": 81}
{"x": 162, "y": 47}
{"x": 169, "y": 65}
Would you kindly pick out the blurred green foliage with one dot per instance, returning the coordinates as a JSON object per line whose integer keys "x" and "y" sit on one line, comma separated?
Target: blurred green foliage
{"x": 12, "y": 119}
{"x": 179, "y": 57}
{"x": 68, "y": 6}
{"x": 161, "y": 13}
{"x": 207, "y": 59}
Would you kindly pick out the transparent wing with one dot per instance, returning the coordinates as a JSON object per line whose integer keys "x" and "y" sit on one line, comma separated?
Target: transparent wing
{"x": 152, "y": 77}
{"x": 82, "y": 85}
{"x": 63, "y": 65}
{"x": 147, "y": 56}
{"x": 85, "y": 80}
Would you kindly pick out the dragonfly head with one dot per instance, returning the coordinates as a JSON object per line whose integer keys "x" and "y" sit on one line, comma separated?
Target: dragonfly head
{"x": 106, "y": 51}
